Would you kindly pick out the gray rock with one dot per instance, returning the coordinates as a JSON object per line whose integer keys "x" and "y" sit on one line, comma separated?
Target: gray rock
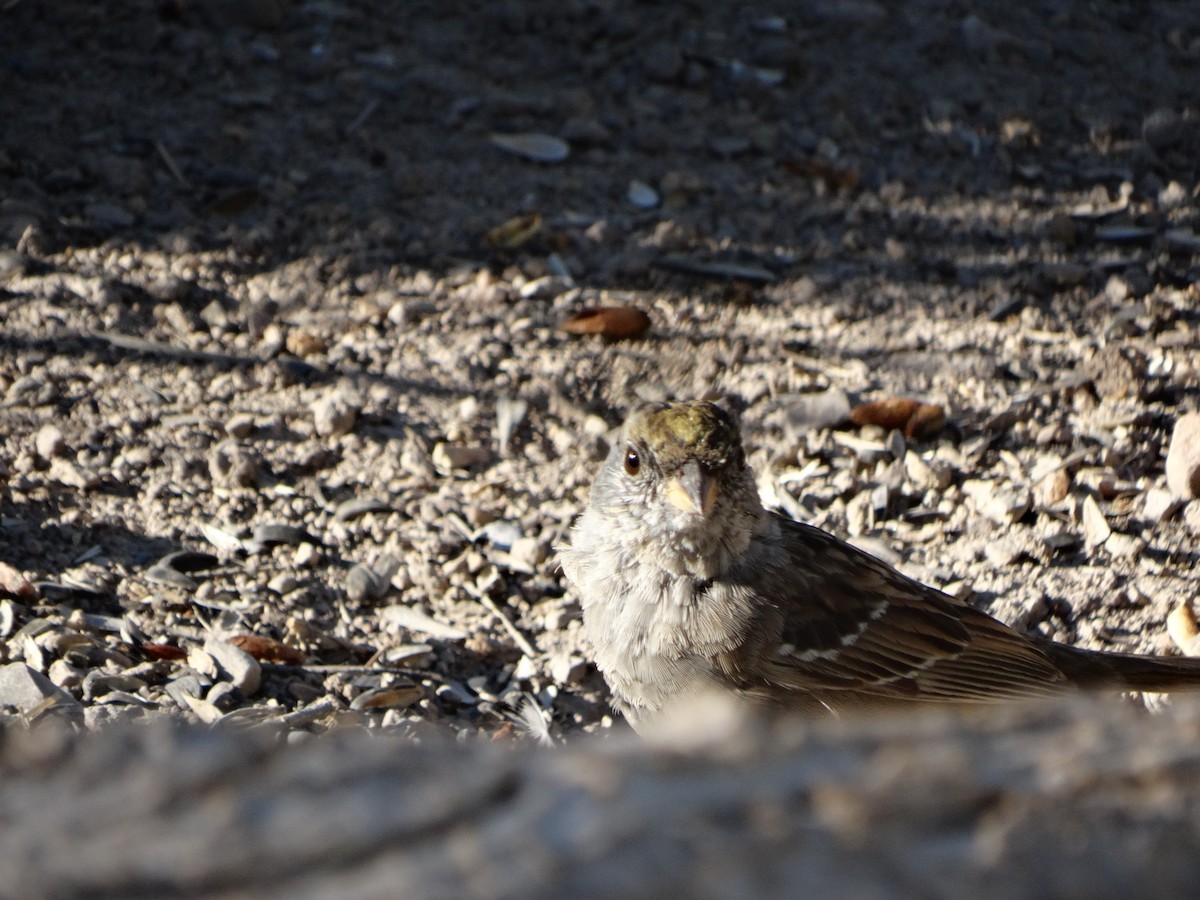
{"x": 335, "y": 415}
{"x": 239, "y": 667}
{"x": 26, "y": 688}
{"x": 362, "y": 583}
{"x": 225, "y": 696}
{"x": 189, "y": 684}
{"x": 233, "y": 466}
{"x": 812, "y": 412}
{"x": 109, "y": 215}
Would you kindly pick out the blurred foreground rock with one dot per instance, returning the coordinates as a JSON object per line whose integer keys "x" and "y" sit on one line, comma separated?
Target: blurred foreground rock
{"x": 1079, "y": 799}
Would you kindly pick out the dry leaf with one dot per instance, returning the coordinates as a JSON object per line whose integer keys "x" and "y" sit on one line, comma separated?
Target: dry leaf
{"x": 234, "y": 202}
{"x": 267, "y": 649}
{"x": 915, "y": 419}
{"x": 163, "y": 651}
{"x": 893, "y": 412}
{"x": 515, "y": 232}
{"x": 613, "y": 322}
{"x": 833, "y": 176}
{"x": 925, "y": 422}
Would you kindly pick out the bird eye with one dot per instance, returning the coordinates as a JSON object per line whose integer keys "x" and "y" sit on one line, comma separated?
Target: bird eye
{"x": 632, "y": 462}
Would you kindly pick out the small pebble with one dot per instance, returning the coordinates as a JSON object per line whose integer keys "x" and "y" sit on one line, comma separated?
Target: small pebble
{"x": 26, "y": 688}
{"x": 335, "y": 415}
{"x": 811, "y": 412}
{"x": 1183, "y": 458}
{"x": 1159, "y": 505}
{"x": 363, "y": 584}
{"x": 567, "y": 669}
{"x": 49, "y": 442}
{"x": 240, "y": 426}
{"x": 233, "y": 466}
{"x": 71, "y": 475}
{"x": 1053, "y": 488}
{"x": 238, "y": 666}
{"x": 448, "y": 457}
{"x": 1096, "y": 529}
{"x": 1126, "y": 546}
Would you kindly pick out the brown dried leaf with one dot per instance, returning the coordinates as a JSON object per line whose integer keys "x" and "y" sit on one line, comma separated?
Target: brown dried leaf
{"x": 915, "y": 419}
{"x": 613, "y": 322}
{"x": 234, "y": 202}
{"x": 925, "y": 422}
{"x": 894, "y": 412}
{"x": 514, "y": 232}
{"x": 833, "y": 176}
{"x": 163, "y": 651}
{"x": 267, "y": 649}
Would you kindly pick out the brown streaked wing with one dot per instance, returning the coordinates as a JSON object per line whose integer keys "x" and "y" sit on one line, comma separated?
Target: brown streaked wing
{"x": 852, "y": 623}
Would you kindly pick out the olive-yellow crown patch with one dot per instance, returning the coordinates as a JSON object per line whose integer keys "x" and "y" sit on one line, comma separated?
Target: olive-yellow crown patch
{"x": 679, "y": 432}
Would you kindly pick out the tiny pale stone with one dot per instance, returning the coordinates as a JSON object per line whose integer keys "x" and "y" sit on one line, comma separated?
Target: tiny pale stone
{"x": 1183, "y": 457}
{"x": 49, "y": 442}
{"x": 1127, "y": 546}
{"x": 448, "y": 457}
{"x": 1053, "y": 488}
{"x": 334, "y": 415}
{"x": 1096, "y": 529}
{"x": 241, "y": 669}
{"x": 1004, "y": 552}
{"x": 1159, "y": 505}
{"x": 69, "y": 474}
{"x": 566, "y": 669}
{"x": 1002, "y": 505}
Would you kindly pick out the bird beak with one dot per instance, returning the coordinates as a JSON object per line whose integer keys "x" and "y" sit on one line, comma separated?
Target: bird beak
{"x": 693, "y": 490}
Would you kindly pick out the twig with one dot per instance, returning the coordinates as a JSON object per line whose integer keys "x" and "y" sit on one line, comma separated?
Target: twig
{"x": 362, "y": 117}
{"x": 170, "y": 161}
{"x": 156, "y": 348}
{"x": 517, "y": 635}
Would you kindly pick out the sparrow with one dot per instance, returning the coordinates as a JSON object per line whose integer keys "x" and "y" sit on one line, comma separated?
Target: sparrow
{"x": 689, "y": 584}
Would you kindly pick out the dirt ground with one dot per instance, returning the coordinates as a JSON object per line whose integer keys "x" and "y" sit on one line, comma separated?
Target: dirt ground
{"x": 252, "y": 307}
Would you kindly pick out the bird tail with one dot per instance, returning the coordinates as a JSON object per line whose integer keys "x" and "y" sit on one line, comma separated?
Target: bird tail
{"x": 1125, "y": 671}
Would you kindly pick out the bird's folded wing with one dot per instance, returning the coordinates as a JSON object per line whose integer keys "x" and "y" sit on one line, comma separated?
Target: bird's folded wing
{"x": 848, "y": 622}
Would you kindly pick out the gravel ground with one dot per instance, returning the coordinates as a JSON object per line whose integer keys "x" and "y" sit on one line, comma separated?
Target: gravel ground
{"x": 289, "y": 424}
